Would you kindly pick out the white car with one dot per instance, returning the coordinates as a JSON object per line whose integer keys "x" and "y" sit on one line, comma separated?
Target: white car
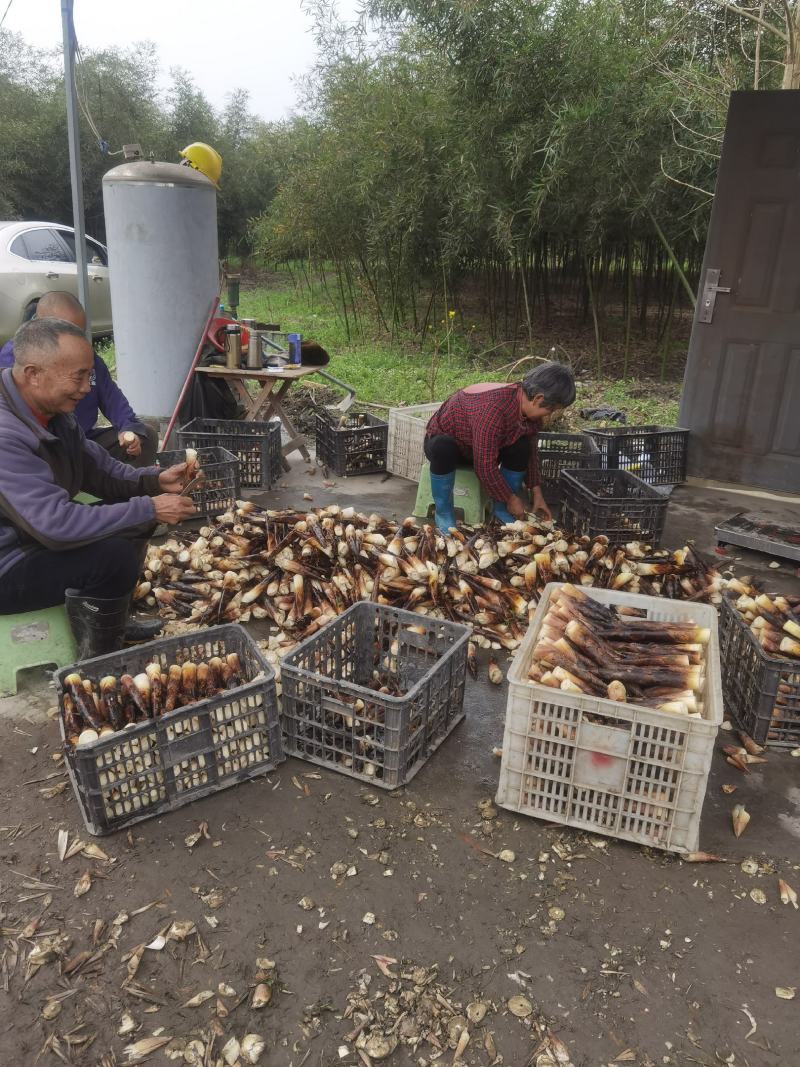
{"x": 39, "y": 257}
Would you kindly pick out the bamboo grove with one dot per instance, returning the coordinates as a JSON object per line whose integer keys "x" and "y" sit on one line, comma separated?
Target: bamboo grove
{"x": 528, "y": 159}
{"x": 517, "y": 161}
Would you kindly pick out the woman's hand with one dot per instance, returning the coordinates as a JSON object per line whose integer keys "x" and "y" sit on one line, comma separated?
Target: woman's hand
{"x": 540, "y": 504}
{"x": 516, "y": 507}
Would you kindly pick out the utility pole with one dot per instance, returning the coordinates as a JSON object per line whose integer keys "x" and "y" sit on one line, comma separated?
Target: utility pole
{"x": 76, "y": 176}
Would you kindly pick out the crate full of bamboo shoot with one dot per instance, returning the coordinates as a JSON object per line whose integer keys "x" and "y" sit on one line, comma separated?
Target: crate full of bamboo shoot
{"x": 760, "y": 639}
{"x": 354, "y": 443}
{"x": 375, "y": 692}
{"x": 151, "y": 728}
{"x": 613, "y": 709}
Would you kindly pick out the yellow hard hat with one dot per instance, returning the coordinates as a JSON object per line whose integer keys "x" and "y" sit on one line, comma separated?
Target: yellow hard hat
{"x": 204, "y": 158}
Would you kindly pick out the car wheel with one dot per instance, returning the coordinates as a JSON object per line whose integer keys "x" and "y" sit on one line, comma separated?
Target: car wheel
{"x": 30, "y": 311}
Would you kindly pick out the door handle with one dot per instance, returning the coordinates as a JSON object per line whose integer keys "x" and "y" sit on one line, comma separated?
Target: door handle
{"x": 708, "y": 297}
{"x": 96, "y": 278}
{"x": 51, "y": 274}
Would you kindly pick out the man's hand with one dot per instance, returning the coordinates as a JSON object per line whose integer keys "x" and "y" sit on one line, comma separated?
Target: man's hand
{"x": 516, "y": 507}
{"x": 130, "y": 442}
{"x": 171, "y": 508}
{"x": 173, "y": 479}
{"x": 540, "y": 504}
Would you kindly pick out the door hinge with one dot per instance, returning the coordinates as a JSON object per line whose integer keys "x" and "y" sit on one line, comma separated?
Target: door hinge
{"x": 708, "y": 297}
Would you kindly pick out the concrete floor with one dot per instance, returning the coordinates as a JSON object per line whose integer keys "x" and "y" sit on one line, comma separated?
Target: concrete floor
{"x": 654, "y": 962}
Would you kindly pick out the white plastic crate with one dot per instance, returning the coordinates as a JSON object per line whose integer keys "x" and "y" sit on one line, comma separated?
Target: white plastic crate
{"x": 617, "y": 769}
{"x": 406, "y": 435}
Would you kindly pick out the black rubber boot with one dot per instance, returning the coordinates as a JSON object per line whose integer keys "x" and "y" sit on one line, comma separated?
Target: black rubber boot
{"x": 143, "y": 630}
{"x": 98, "y": 624}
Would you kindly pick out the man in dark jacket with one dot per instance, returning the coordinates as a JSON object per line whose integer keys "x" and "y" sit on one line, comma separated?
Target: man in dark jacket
{"x": 127, "y": 438}
{"x": 53, "y": 550}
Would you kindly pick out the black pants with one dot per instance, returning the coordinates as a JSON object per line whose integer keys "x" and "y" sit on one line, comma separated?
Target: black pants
{"x": 444, "y": 454}
{"x": 105, "y": 569}
{"x": 109, "y": 440}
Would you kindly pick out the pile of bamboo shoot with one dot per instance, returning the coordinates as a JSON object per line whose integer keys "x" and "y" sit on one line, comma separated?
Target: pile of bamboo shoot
{"x": 94, "y": 710}
{"x": 593, "y": 649}
{"x": 299, "y": 570}
{"x": 775, "y": 621}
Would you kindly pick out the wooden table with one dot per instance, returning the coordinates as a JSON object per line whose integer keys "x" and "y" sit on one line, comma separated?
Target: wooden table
{"x": 268, "y": 401}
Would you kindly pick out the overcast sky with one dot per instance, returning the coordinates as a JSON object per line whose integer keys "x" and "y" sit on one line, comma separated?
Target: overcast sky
{"x": 258, "y": 45}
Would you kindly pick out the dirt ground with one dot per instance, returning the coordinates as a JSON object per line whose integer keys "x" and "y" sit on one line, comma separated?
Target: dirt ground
{"x": 625, "y": 954}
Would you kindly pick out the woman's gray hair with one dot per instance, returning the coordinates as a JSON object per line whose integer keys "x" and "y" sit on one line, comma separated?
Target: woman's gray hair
{"x": 554, "y": 381}
{"x": 37, "y": 340}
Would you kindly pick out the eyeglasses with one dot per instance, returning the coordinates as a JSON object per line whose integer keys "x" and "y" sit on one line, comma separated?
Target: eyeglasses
{"x": 84, "y": 376}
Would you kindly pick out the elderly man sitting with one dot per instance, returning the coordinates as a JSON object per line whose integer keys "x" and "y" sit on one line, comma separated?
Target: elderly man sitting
{"x": 53, "y": 550}
{"x": 127, "y": 438}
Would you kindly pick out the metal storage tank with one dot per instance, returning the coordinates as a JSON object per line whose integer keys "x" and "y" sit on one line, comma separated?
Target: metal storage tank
{"x": 161, "y": 230}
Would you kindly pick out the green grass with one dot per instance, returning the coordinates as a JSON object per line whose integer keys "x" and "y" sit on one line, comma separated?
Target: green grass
{"x": 381, "y": 371}
{"x": 644, "y": 401}
{"x": 398, "y": 372}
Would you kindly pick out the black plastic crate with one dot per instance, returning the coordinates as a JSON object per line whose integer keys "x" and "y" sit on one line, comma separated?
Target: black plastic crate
{"x": 351, "y": 444}
{"x": 332, "y": 716}
{"x": 614, "y": 503}
{"x": 161, "y": 764}
{"x": 564, "y": 451}
{"x": 761, "y": 691}
{"x": 656, "y": 454}
{"x": 257, "y": 446}
{"x": 219, "y": 490}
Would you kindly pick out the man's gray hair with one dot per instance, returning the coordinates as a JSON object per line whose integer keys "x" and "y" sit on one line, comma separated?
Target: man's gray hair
{"x": 555, "y": 382}
{"x": 39, "y": 339}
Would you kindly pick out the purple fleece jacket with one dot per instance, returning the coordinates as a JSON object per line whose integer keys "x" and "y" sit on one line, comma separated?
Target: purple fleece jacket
{"x": 41, "y": 471}
{"x": 105, "y": 396}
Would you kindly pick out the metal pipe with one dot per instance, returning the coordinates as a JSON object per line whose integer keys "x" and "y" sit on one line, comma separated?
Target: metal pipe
{"x": 201, "y": 345}
{"x": 75, "y": 174}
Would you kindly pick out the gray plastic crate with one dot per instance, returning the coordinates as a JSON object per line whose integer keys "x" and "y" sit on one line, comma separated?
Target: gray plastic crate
{"x": 614, "y": 503}
{"x": 564, "y": 451}
{"x": 351, "y": 444}
{"x": 161, "y": 764}
{"x": 761, "y": 691}
{"x": 257, "y": 445}
{"x": 656, "y": 454}
{"x": 219, "y": 490}
{"x": 331, "y": 715}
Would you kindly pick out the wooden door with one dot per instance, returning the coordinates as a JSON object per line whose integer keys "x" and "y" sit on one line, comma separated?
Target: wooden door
{"x": 741, "y": 392}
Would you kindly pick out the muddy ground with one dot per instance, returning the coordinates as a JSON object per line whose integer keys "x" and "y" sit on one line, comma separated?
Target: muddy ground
{"x": 626, "y": 954}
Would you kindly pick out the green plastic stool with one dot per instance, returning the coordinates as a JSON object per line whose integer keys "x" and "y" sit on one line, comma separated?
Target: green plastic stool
{"x": 469, "y": 496}
{"x": 34, "y": 639}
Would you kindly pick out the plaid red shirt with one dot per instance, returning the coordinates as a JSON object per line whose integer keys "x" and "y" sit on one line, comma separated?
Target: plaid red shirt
{"x": 482, "y": 423}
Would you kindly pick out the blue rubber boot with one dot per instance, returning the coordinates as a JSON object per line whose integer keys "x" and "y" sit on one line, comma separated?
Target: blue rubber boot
{"x": 513, "y": 480}
{"x": 442, "y": 491}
